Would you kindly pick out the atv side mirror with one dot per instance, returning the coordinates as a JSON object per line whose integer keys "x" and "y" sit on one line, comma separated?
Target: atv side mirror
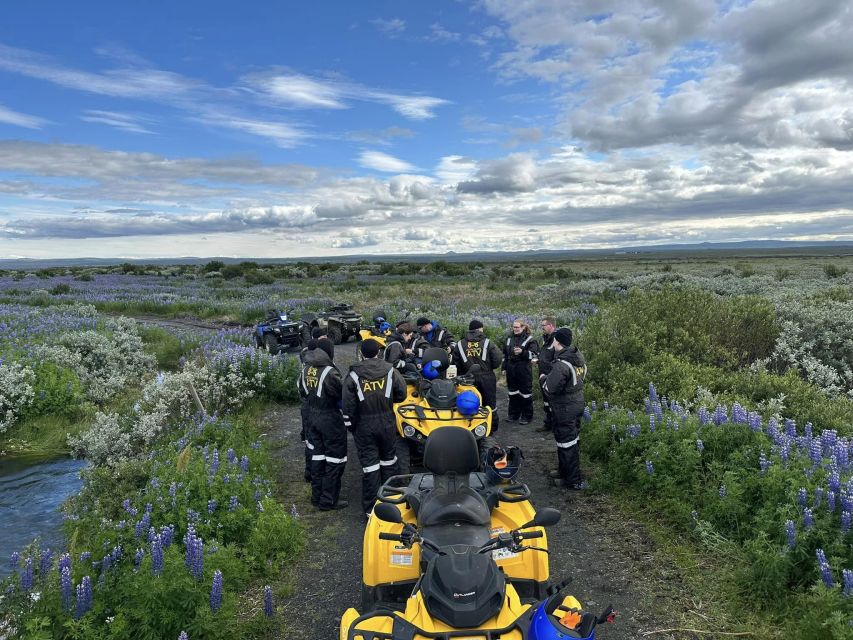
{"x": 545, "y": 517}
{"x": 388, "y": 513}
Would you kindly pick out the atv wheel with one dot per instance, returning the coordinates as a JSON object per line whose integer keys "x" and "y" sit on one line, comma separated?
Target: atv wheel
{"x": 334, "y": 334}
{"x": 271, "y": 344}
{"x": 305, "y": 335}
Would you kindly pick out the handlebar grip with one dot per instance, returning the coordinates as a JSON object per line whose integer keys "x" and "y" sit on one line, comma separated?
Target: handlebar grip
{"x": 526, "y": 535}
{"x": 390, "y": 536}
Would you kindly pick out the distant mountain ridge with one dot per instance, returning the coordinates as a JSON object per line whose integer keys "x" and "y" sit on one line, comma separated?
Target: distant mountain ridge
{"x": 844, "y": 246}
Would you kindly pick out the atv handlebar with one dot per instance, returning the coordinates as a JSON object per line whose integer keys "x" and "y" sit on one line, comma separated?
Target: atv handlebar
{"x": 390, "y": 536}
{"x": 526, "y": 535}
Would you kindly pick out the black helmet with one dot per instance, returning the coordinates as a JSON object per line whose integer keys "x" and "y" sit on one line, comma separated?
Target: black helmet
{"x": 502, "y": 464}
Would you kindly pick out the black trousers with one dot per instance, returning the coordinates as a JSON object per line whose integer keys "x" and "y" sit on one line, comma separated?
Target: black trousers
{"x": 487, "y": 385}
{"x": 303, "y": 435}
{"x": 567, "y": 420}
{"x": 327, "y": 438}
{"x": 519, "y": 383}
{"x": 375, "y": 439}
{"x": 548, "y": 414}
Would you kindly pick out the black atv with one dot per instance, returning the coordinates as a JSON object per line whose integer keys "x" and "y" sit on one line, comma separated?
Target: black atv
{"x": 277, "y": 333}
{"x": 339, "y": 320}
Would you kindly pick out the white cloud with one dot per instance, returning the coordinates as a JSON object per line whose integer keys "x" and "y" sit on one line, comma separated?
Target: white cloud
{"x": 390, "y": 26}
{"x": 124, "y": 121}
{"x": 7, "y": 116}
{"x": 303, "y": 92}
{"x": 379, "y": 161}
{"x": 454, "y": 169}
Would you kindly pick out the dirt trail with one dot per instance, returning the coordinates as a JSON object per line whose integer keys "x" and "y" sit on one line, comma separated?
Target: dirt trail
{"x": 609, "y": 558}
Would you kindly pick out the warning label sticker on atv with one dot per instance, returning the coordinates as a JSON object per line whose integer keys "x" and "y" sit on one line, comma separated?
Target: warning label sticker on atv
{"x": 401, "y": 559}
{"x": 500, "y": 554}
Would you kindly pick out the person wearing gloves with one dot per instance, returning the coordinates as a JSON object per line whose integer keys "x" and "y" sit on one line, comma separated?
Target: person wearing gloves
{"x": 519, "y": 352}
{"x": 401, "y": 347}
{"x": 433, "y": 335}
{"x": 321, "y": 383}
{"x": 545, "y": 360}
{"x": 371, "y": 388}
{"x": 564, "y": 386}
{"x": 476, "y": 354}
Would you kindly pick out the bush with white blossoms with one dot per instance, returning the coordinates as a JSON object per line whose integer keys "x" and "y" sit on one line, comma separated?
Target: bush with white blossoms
{"x": 16, "y": 392}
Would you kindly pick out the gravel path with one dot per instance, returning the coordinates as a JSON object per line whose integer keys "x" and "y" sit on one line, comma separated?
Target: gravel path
{"x": 609, "y": 558}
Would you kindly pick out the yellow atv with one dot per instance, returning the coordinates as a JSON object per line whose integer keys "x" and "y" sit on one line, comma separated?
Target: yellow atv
{"x": 458, "y": 566}
{"x": 433, "y": 402}
{"x": 380, "y": 332}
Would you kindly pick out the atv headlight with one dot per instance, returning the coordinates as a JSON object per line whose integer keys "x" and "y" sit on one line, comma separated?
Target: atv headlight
{"x": 408, "y": 431}
{"x": 480, "y": 430}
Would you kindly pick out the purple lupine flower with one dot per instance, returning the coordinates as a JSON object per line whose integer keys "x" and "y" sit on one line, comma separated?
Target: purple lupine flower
{"x": 695, "y": 515}
{"x": 721, "y": 415}
{"x": 233, "y": 503}
{"x": 825, "y": 570}
{"x": 244, "y": 464}
{"x": 14, "y": 559}
{"x": 137, "y": 559}
{"x": 754, "y": 421}
{"x": 84, "y": 597}
{"x": 64, "y": 561}
{"x": 216, "y": 591}
{"x": 152, "y": 532}
{"x": 847, "y": 577}
{"x": 173, "y": 490}
{"x": 739, "y": 414}
{"x": 802, "y": 497}
{"x": 155, "y": 483}
{"x": 790, "y": 428}
{"x": 587, "y": 417}
{"x": 166, "y": 534}
{"x": 791, "y": 534}
{"x": 704, "y": 416}
{"x": 66, "y": 588}
{"x": 106, "y": 563}
{"x": 27, "y": 575}
{"x": 846, "y": 518}
{"x": 232, "y": 457}
{"x": 830, "y": 501}
{"x": 85, "y": 556}
{"x": 128, "y": 508}
{"x": 650, "y": 469}
{"x": 183, "y": 636}
{"x": 268, "y": 608}
{"x": 594, "y": 406}
{"x": 44, "y": 562}
{"x": 606, "y": 406}
{"x": 226, "y": 479}
{"x": 260, "y": 507}
{"x": 700, "y": 446}
{"x": 149, "y": 508}
{"x": 633, "y": 430}
{"x": 808, "y": 518}
{"x": 214, "y": 463}
{"x": 835, "y": 481}
{"x": 652, "y": 423}
{"x": 763, "y": 462}
{"x": 818, "y": 497}
{"x": 653, "y": 394}
{"x": 211, "y": 506}
{"x": 156, "y": 556}
{"x": 143, "y": 525}
{"x": 192, "y": 516}
{"x": 723, "y": 491}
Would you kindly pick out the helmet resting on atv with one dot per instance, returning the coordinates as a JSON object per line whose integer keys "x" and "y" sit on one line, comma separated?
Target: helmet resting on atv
{"x": 468, "y": 403}
{"x": 431, "y": 369}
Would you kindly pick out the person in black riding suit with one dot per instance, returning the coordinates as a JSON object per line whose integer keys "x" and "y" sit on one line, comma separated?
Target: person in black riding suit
{"x": 564, "y": 386}
{"x": 433, "y": 335}
{"x": 545, "y": 360}
{"x": 321, "y": 385}
{"x": 519, "y": 351}
{"x": 370, "y": 390}
{"x": 318, "y": 333}
{"x": 476, "y": 354}
{"x": 401, "y": 347}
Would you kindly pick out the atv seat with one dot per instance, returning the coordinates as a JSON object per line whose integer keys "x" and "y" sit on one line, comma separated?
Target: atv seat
{"x": 451, "y": 455}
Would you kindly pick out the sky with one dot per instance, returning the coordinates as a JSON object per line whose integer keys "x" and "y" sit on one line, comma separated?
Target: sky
{"x": 285, "y": 129}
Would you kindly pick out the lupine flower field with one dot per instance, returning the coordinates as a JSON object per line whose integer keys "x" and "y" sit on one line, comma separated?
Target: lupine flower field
{"x": 720, "y": 404}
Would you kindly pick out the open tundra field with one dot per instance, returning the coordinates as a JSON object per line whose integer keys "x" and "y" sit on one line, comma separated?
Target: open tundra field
{"x": 718, "y": 441}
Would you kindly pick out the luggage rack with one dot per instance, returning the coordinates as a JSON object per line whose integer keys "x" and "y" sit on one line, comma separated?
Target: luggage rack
{"x": 405, "y": 630}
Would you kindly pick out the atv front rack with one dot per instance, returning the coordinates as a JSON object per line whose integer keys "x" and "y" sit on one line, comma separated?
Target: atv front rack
{"x": 422, "y": 413}
{"x": 405, "y": 630}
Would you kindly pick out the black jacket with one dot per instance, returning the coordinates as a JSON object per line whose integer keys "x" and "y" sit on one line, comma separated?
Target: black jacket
{"x": 395, "y": 350}
{"x": 476, "y": 348}
{"x": 529, "y": 349}
{"x": 320, "y": 382}
{"x": 440, "y": 338}
{"x": 547, "y": 355}
{"x": 370, "y": 389}
{"x": 564, "y": 383}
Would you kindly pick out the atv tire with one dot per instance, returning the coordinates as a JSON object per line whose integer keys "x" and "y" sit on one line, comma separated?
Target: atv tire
{"x": 368, "y": 598}
{"x": 271, "y": 344}
{"x": 305, "y": 335}
{"x": 334, "y": 334}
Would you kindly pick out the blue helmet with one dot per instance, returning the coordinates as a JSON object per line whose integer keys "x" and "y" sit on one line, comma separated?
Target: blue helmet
{"x": 430, "y": 369}
{"x": 468, "y": 403}
{"x": 385, "y": 326}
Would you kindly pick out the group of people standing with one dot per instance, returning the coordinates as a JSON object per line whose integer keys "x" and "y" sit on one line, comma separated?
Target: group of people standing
{"x": 362, "y": 399}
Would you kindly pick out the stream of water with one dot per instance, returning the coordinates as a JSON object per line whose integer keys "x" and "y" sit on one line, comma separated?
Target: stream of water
{"x": 31, "y": 492}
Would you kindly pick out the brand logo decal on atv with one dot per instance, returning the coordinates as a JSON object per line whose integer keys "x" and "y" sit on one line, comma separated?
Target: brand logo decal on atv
{"x": 464, "y": 595}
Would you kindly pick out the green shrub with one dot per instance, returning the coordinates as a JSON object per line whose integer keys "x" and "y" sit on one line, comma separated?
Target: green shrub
{"x": 833, "y": 270}
{"x": 57, "y": 391}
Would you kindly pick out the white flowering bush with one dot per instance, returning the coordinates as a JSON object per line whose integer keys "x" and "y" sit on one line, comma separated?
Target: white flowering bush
{"x": 16, "y": 392}
{"x": 105, "y": 362}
